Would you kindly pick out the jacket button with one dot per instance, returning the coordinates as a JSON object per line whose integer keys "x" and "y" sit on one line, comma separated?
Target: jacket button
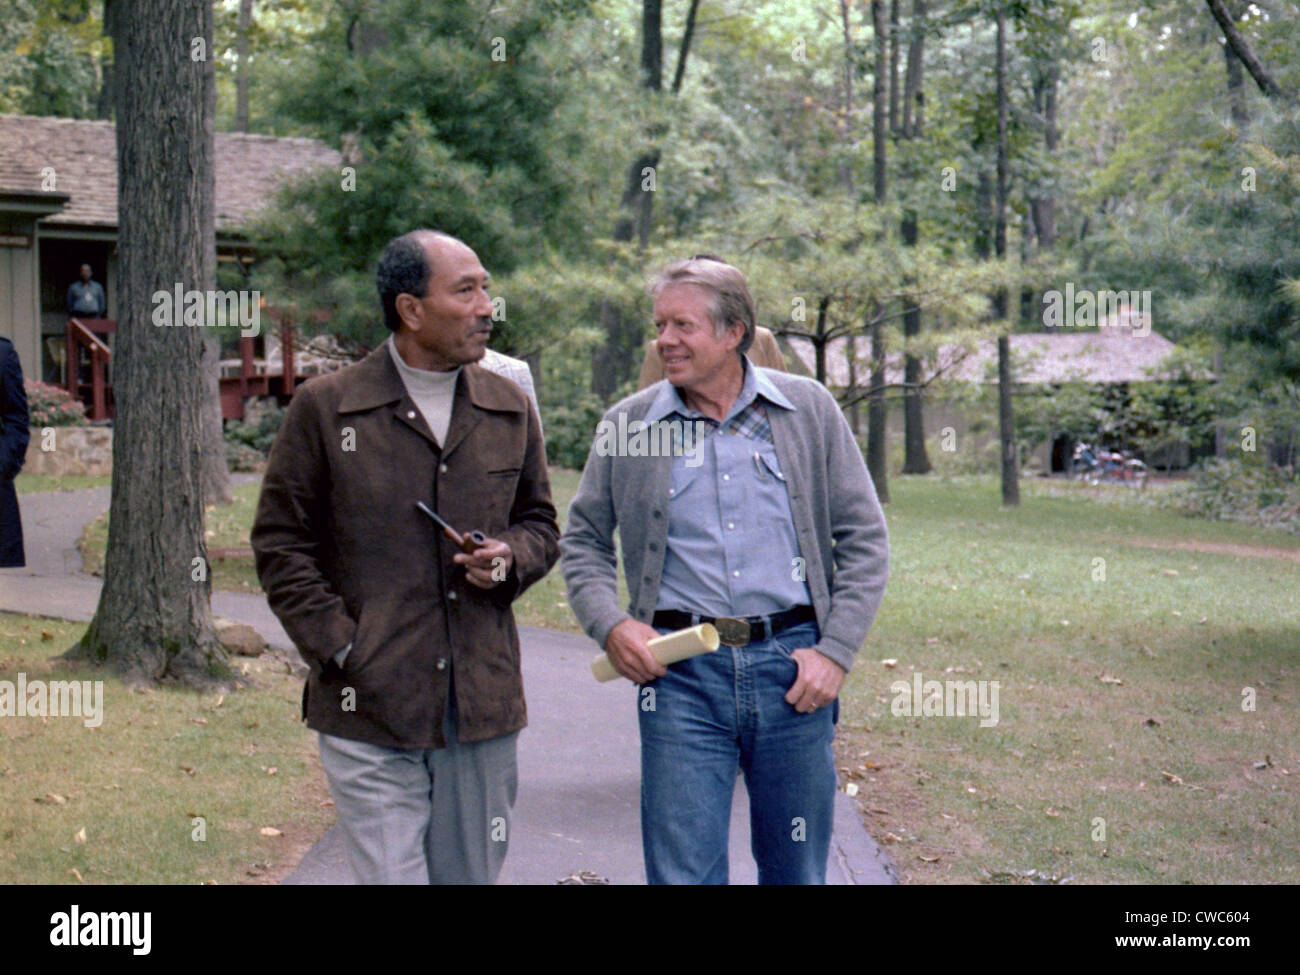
{"x": 452, "y": 595}
{"x": 442, "y": 663}
{"x": 442, "y": 468}
{"x": 410, "y": 414}
{"x": 654, "y": 546}
{"x": 657, "y": 514}
{"x": 647, "y": 580}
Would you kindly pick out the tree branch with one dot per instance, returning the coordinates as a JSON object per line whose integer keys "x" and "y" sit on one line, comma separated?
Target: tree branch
{"x": 1241, "y": 47}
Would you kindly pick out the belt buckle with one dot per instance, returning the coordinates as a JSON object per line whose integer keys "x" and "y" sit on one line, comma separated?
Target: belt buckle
{"x": 731, "y": 631}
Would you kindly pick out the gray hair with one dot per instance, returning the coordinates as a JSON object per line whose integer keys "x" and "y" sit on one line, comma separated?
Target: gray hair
{"x": 729, "y": 297}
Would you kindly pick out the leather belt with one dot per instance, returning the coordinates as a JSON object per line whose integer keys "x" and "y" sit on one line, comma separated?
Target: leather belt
{"x": 737, "y": 632}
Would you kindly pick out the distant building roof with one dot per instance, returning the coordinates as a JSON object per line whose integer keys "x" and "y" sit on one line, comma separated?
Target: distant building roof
{"x": 1123, "y": 349}
{"x": 83, "y": 155}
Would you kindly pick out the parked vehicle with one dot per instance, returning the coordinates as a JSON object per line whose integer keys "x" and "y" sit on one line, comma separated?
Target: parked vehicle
{"x": 1106, "y": 466}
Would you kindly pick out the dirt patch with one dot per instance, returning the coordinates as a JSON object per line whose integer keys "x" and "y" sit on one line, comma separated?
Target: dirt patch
{"x": 1219, "y": 548}
{"x": 300, "y": 835}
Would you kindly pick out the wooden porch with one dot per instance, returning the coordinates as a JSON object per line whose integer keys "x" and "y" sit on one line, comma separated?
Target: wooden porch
{"x": 88, "y": 358}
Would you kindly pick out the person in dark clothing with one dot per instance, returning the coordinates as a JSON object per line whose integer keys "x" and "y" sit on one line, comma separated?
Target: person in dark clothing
{"x": 86, "y": 297}
{"x": 14, "y": 435}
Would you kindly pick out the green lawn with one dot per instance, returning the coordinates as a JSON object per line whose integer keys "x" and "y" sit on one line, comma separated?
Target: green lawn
{"x": 1120, "y": 700}
{"x": 173, "y": 787}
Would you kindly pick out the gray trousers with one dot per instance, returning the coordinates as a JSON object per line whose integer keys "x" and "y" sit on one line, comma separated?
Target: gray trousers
{"x": 424, "y": 816}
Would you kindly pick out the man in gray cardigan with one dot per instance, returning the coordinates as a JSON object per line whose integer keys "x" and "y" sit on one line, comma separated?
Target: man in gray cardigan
{"x": 740, "y": 498}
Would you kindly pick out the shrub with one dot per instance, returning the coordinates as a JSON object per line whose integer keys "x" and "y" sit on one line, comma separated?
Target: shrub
{"x": 241, "y": 457}
{"x": 53, "y": 406}
{"x": 570, "y": 431}
{"x": 257, "y": 430}
{"x": 1233, "y": 489}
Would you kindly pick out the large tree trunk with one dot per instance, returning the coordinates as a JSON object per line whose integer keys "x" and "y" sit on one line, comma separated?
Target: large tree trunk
{"x": 153, "y": 620}
{"x": 1006, "y": 418}
{"x": 241, "y": 72}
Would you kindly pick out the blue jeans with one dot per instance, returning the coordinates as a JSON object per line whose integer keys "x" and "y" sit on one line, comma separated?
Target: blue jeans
{"x": 709, "y": 716}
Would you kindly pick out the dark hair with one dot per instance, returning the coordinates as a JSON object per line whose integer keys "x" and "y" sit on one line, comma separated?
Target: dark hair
{"x": 403, "y": 269}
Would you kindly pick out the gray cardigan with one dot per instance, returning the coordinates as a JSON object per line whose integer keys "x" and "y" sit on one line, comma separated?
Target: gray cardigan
{"x": 837, "y": 518}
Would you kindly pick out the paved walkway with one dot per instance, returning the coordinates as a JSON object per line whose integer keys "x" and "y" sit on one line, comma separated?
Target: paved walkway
{"x": 578, "y": 805}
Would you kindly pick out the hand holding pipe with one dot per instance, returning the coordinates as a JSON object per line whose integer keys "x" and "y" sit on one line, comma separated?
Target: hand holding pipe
{"x": 467, "y": 542}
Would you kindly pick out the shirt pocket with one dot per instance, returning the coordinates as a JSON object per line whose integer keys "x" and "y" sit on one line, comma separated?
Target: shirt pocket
{"x": 766, "y": 468}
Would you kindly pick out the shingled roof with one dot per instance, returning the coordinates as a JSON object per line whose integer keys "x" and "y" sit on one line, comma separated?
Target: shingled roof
{"x": 1114, "y": 352}
{"x": 83, "y": 154}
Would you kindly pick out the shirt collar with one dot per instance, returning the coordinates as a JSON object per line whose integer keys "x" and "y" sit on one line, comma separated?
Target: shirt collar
{"x": 669, "y": 399}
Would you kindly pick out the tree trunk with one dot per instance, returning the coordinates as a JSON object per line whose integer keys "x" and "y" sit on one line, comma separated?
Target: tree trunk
{"x": 1006, "y": 418}
{"x": 845, "y": 172}
{"x": 1236, "y": 88}
{"x": 893, "y": 69}
{"x": 241, "y": 72}
{"x": 215, "y": 474}
{"x": 877, "y": 417}
{"x": 1241, "y": 47}
{"x": 915, "y": 458}
{"x": 621, "y": 348}
{"x": 153, "y": 621}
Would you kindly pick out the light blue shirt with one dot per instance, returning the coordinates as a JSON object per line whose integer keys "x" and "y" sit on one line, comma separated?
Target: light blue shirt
{"x": 731, "y": 548}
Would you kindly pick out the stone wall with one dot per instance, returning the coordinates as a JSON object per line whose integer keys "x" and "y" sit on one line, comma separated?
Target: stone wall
{"x": 77, "y": 450}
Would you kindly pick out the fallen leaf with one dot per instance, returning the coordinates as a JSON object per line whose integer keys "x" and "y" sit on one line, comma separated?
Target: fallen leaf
{"x": 1170, "y": 572}
{"x": 891, "y": 838}
{"x": 1172, "y": 778}
{"x": 187, "y": 769}
{"x": 1109, "y": 679}
{"x": 79, "y": 836}
{"x": 1051, "y": 812}
{"x": 850, "y": 789}
{"x": 270, "y": 831}
{"x": 77, "y": 873}
{"x": 1175, "y": 612}
{"x": 199, "y": 720}
{"x": 46, "y": 635}
{"x": 1152, "y": 722}
{"x": 890, "y": 662}
{"x": 53, "y": 799}
{"x": 928, "y": 859}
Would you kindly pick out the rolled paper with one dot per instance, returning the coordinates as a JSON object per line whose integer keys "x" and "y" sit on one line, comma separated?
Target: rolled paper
{"x": 667, "y": 649}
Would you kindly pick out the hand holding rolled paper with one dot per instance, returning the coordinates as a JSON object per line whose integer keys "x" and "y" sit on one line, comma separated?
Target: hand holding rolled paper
{"x": 667, "y": 649}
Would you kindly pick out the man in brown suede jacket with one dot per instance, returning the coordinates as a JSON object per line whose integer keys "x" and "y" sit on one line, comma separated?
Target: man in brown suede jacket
{"x": 415, "y": 683}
